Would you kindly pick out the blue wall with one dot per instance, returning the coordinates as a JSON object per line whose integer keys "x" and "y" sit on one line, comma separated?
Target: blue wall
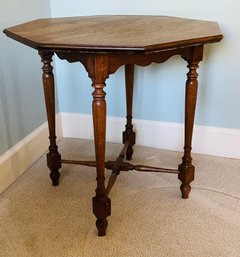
{"x": 21, "y": 95}
{"x": 159, "y": 89}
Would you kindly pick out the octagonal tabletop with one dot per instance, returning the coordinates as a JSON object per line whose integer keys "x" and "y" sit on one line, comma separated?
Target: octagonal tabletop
{"x": 115, "y": 33}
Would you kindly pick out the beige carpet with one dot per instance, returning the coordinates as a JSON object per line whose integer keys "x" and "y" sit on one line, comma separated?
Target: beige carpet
{"x": 148, "y": 216}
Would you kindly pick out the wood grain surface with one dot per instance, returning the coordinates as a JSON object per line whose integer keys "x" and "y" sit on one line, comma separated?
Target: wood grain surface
{"x": 115, "y": 33}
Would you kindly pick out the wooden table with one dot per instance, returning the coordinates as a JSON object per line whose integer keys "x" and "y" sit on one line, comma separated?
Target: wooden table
{"x": 103, "y": 44}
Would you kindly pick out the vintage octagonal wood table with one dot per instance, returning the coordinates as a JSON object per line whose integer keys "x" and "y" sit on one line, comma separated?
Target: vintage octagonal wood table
{"x": 103, "y": 44}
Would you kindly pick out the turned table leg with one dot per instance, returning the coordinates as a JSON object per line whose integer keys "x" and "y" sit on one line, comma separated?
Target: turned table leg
{"x": 129, "y": 134}
{"x": 186, "y": 169}
{"x": 101, "y": 203}
{"x": 53, "y": 156}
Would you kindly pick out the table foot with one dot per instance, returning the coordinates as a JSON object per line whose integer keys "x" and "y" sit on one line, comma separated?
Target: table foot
{"x": 54, "y": 164}
{"x": 186, "y": 176}
{"x": 55, "y": 175}
{"x": 129, "y": 154}
{"x": 101, "y": 227}
{"x": 185, "y": 189}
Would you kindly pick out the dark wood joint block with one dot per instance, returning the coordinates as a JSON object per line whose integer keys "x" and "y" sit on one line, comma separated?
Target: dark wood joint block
{"x": 186, "y": 174}
{"x": 54, "y": 161}
{"x": 130, "y": 136}
{"x": 101, "y": 207}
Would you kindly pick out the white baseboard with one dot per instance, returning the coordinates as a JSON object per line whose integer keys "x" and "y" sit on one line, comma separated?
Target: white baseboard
{"x": 206, "y": 140}
{"x": 21, "y": 156}
{"x": 214, "y": 141}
